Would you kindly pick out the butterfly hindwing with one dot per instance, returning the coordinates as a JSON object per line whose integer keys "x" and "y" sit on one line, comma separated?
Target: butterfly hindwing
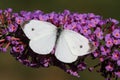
{"x": 63, "y": 51}
{"x": 44, "y": 44}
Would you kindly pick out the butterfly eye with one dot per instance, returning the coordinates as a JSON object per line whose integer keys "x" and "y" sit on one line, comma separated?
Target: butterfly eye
{"x": 81, "y": 46}
{"x": 32, "y": 29}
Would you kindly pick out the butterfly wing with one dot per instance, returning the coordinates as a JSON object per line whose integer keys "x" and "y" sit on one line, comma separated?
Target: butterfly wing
{"x": 36, "y": 28}
{"x": 42, "y": 36}
{"x": 63, "y": 51}
{"x": 78, "y": 44}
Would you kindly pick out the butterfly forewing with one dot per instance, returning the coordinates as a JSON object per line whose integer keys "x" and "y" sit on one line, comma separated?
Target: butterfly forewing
{"x": 78, "y": 44}
{"x": 42, "y": 36}
{"x": 35, "y": 28}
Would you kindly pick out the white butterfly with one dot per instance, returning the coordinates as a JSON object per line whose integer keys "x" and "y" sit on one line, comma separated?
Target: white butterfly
{"x": 69, "y": 44}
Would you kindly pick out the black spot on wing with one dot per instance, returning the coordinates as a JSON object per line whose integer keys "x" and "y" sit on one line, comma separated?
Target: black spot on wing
{"x": 81, "y": 46}
{"x": 32, "y": 29}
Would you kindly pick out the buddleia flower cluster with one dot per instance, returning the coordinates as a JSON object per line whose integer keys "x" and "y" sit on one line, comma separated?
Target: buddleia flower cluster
{"x": 103, "y": 33}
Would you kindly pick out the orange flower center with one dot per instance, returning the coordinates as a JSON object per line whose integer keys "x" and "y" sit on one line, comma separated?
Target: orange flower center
{"x": 117, "y": 34}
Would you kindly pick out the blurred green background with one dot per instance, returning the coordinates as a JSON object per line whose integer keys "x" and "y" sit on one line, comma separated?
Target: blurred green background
{"x": 10, "y": 69}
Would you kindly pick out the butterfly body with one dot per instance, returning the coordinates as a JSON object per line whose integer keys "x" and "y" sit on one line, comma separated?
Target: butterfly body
{"x": 68, "y": 44}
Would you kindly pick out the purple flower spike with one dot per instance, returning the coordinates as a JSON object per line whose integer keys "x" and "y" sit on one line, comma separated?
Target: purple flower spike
{"x": 18, "y": 49}
{"x": 114, "y": 21}
{"x": 1, "y": 11}
{"x": 104, "y": 34}
{"x": 85, "y": 31}
{"x": 9, "y": 10}
{"x": 81, "y": 66}
{"x": 99, "y": 33}
{"x": 108, "y": 79}
{"x": 116, "y": 41}
{"x": 109, "y": 68}
{"x": 118, "y": 62}
{"x": 73, "y": 73}
{"x": 117, "y": 74}
{"x": 4, "y": 49}
{"x": 19, "y": 20}
{"x": 104, "y": 50}
{"x": 116, "y": 33}
{"x": 116, "y": 55}
{"x": 91, "y": 69}
{"x": 96, "y": 54}
{"x": 12, "y": 28}
{"x": 109, "y": 40}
